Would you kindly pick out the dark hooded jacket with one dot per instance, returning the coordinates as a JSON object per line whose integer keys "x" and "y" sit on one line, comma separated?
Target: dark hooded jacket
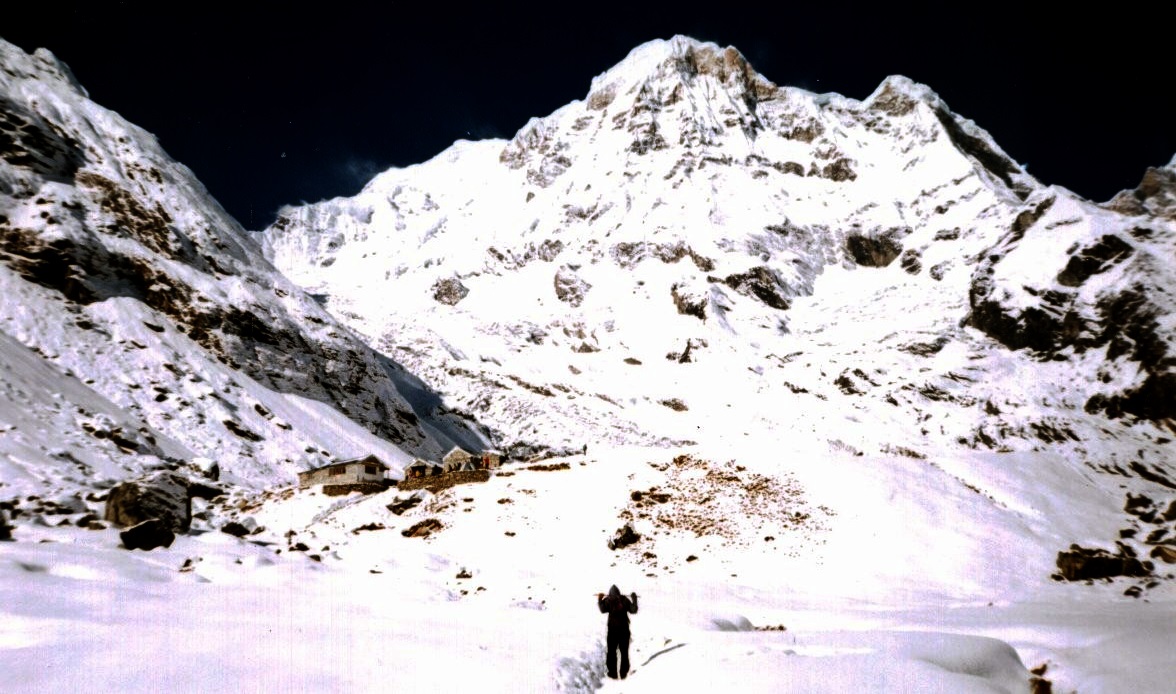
{"x": 618, "y": 607}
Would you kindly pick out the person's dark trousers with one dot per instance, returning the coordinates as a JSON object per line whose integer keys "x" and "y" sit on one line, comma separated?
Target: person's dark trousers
{"x": 616, "y": 642}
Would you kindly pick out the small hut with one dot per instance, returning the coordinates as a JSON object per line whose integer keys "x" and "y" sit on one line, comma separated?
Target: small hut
{"x": 459, "y": 460}
{"x": 365, "y": 470}
{"x": 420, "y": 468}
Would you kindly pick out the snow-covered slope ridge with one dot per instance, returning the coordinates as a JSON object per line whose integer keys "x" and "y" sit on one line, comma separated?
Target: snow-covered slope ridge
{"x": 150, "y": 307}
{"x": 1071, "y": 282}
{"x": 692, "y": 244}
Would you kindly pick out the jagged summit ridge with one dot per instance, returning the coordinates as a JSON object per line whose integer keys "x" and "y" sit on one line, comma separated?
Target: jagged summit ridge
{"x": 679, "y": 61}
{"x": 1155, "y": 194}
{"x": 653, "y": 76}
{"x": 685, "y": 192}
{"x": 687, "y": 206}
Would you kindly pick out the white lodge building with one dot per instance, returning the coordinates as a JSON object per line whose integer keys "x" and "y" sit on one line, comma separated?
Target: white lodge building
{"x": 366, "y": 470}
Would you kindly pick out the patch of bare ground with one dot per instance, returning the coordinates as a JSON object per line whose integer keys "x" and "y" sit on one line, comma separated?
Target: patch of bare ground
{"x": 551, "y": 467}
{"x": 724, "y": 500}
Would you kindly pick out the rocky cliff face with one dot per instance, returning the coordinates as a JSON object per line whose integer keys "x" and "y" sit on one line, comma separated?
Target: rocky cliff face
{"x": 1155, "y": 196}
{"x": 684, "y": 185}
{"x": 1070, "y": 281}
{"x": 120, "y": 270}
{"x": 692, "y": 233}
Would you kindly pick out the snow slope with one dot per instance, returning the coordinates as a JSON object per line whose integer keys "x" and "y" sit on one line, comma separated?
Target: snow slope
{"x": 131, "y": 297}
{"x": 501, "y": 597}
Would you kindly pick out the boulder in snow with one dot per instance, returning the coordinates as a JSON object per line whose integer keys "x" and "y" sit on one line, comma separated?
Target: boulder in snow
{"x": 243, "y": 527}
{"x": 874, "y": 251}
{"x": 399, "y": 505}
{"x": 5, "y": 526}
{"x": 449, "y": 291}
{"x": 161, "y": 495}
{"x": 148, "y": 535}
{"x": 624, "y": 537}
{"x": 570, "y": 288}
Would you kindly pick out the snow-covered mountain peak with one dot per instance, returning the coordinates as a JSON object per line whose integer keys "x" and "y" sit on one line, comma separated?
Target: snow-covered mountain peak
{"x": 687, "y": 211}
{"x": 41, "y": 64}
{"x": 679, "y": 60}
{"x": 898, "y": 95}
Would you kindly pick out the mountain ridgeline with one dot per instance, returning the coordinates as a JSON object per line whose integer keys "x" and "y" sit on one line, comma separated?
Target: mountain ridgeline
{"x": 134, "y": 286}
{"x": 690, "y": 249}
{"x": 669, "y": 238}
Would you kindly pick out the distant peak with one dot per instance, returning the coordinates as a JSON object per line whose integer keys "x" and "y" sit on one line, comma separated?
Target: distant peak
{"x": 898, "y": 95}
{"x": 41, "y": 63}
{"x": 682, "y": 57}
{"x": 1155, "y": 194}
{"x": 55, "y": 66}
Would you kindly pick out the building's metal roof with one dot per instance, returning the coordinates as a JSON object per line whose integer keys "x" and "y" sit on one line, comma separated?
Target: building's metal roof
{"x": 367, "y": 459}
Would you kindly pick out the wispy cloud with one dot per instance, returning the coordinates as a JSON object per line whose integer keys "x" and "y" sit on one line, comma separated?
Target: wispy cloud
{"x": 357, "y": 171}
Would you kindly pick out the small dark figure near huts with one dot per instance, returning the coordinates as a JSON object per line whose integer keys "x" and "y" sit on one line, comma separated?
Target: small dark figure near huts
{"x": 618, "y": 608}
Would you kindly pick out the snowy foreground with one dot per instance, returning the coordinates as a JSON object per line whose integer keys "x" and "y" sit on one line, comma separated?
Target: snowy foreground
{"x": 823, "y": 607}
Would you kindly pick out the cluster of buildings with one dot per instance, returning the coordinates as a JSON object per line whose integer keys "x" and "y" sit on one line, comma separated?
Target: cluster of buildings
{"x": 369, "y": 472}
{"x": 456, "y": 460}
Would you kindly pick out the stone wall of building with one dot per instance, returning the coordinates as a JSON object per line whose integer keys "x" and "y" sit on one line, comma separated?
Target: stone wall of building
{"x": 354, "y": 475}
{"x": 439, "y": 482}
{"x": 362, "y": 487}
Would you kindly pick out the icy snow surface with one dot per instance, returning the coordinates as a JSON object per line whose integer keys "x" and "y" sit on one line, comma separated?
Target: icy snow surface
{"x": 381, "y": 610}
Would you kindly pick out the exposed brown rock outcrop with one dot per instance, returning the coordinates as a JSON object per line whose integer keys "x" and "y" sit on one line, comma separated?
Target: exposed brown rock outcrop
{"x": 449, "y": 291}
{"x": 1080, "y": 564}
{"x": 874, "y": 251}
{"x": 1155, "y": 195}
{"x": 761, "y": 283}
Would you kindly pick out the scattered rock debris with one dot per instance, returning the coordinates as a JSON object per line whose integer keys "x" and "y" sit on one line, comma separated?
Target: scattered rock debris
{"x": 552, "y": 467}
{"x": 724, "y": 500}
{"x": 367, "y": 527}
{"x": 399, "y": 506}
{"x": 423, "y": 529}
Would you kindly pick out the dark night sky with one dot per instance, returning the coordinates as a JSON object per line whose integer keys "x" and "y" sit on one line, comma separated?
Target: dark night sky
{"x": 344, "y": 92}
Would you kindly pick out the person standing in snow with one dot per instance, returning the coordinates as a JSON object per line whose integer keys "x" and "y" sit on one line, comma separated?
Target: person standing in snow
{"x": 618, "y": 608}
